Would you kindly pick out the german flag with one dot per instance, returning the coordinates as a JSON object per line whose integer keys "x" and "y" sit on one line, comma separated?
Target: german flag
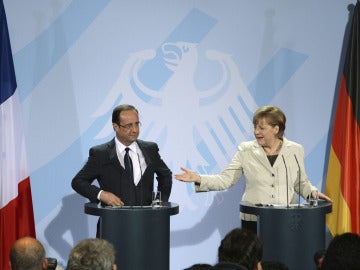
{"x": 343, "y": 175}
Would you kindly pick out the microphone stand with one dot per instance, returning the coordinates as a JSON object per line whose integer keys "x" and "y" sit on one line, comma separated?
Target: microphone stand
{"x": 297, "y": 162}
{"x": 287, "y": 184}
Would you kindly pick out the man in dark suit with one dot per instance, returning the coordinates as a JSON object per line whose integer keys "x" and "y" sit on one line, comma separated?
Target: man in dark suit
{"x": 107, "y": 162}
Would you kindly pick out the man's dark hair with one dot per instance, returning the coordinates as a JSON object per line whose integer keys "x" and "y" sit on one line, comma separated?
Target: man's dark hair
{"x": 200, "y": 266}
{"x": 118, "y": 109}
{"x": 343, "y": 252}
{"x": 241, "y": 246}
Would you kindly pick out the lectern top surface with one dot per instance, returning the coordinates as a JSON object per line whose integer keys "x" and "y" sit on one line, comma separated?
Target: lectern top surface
{"x": 249, "y": 208}
{"x": 98, "y": 210}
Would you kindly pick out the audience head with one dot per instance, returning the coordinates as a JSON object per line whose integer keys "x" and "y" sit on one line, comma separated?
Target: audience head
{"x": 319, "y": 257}
{"x": 199, "y": 266}
{"x": 92, "y": 254}
{"x": 343, "y": 252}
{"x": 242, "y": 247}
{"x": 27, "y": 253}
{"x": 273, "y": 265}
{"x": 229, "y": 266}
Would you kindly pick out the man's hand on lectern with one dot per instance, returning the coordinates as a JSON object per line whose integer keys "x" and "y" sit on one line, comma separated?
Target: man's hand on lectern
{"x": 110, "y": 199}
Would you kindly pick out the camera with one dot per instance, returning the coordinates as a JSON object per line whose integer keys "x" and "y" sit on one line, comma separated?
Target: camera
{"x": 52, "y": 263}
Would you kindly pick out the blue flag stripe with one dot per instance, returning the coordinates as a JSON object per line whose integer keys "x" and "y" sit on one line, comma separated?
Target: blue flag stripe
{"x": 7, "y": 72}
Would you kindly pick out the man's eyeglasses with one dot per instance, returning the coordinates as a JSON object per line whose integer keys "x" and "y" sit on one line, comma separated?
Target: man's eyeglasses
{"x": 130, "y": 126}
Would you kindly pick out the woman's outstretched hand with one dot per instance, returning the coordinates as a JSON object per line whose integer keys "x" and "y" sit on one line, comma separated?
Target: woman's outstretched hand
{"x": 188, "y": 176}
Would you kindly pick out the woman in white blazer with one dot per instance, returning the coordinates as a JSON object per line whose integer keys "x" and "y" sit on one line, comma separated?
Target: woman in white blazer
{"x": 266, "y": 163}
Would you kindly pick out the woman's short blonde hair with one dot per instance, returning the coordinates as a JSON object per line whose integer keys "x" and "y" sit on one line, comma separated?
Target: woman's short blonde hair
{"x": 274, "y": 117}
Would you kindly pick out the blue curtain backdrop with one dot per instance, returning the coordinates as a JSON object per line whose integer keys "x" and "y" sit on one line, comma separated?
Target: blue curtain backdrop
{"x": 196, "y": 70}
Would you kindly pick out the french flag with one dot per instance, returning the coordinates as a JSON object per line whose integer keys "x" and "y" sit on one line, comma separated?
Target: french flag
{"x": 16, "y": 210}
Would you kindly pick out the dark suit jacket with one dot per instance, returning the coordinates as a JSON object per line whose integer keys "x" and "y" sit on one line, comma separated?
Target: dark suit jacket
{"x": 104, "y": 166}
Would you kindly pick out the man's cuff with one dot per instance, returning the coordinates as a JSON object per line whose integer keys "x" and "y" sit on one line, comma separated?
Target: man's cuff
{"x": 98, "y": 196}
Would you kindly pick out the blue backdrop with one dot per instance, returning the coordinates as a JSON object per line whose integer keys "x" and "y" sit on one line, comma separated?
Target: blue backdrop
{"x": 196, "y": 70}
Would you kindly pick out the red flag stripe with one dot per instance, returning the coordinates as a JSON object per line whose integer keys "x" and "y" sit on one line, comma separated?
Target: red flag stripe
{"x": 16, "y": 220}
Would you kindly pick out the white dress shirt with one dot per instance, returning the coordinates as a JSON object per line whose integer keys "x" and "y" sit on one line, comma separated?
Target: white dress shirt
{"x": 137, "y": 158}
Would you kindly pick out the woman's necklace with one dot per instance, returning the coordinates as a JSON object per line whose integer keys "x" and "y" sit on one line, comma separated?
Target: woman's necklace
{"x": 274, "y": 152}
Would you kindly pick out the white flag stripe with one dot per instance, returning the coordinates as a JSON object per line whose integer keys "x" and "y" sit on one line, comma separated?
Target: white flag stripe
{"x": 13, "y": 165}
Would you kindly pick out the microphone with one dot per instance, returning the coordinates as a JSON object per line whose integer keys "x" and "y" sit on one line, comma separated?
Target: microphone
{"x": 287, "y": 183}
{"x": 297, "y": 162}
{"x": 140, "y": 181}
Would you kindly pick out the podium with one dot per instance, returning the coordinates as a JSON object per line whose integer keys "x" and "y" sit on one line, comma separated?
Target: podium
{"x": 291, "y": 234}
{"x": 140, "y": 234}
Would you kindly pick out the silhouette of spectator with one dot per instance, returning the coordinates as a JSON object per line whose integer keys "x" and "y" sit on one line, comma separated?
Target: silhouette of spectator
{"x": 319, "y": 258}
{"x": 199, "y": 266}
{"x": 273, "y": 265}
{"x": 240, "y": 249}
{"x": 230, "y": 266}
{"x": 92, "y": 253}
{"x": 27, "y": 253}
{"x": 343, "y": 252}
